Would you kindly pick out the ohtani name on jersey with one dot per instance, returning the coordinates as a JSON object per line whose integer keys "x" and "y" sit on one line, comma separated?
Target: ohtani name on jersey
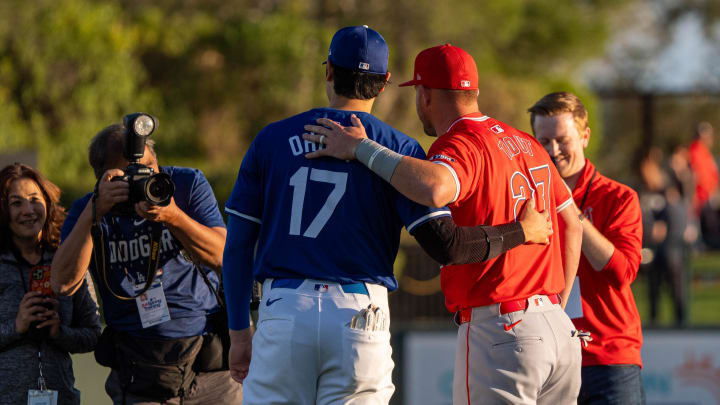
{"x": 299, "y": 146}
{"x": 512, "y": 146}
{"x": 133, "y": 249}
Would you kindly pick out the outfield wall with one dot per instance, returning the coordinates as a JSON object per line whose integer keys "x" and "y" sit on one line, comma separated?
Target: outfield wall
{"x": 681, "y": 367}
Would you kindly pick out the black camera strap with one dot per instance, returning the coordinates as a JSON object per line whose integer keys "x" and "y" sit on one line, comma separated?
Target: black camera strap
{"x": 587, "y": 190}
{"x": 99, "y": 256}
{"x": 218, "y": 294}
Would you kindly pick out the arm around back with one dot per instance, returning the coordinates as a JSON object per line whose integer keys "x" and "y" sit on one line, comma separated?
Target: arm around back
{"x": 424, "y": 182}
{"x": 450, "y": 244}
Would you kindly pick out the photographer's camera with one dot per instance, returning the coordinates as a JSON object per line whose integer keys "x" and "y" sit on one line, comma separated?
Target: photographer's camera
{"x": 145, "y": 184}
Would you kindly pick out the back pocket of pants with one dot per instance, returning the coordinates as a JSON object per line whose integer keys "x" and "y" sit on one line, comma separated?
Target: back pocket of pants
{"x": 517, "y": 342}
{"x": 272, "y": 347}
{"x": 366, "y": 355}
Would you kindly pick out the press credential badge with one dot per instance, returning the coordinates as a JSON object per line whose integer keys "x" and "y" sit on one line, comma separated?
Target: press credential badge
{"x": 152, "y": 305}
{"x": 42, "y": 397}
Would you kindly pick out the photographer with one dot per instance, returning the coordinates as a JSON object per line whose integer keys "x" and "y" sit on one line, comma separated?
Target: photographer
{"x": 159, "y": 332}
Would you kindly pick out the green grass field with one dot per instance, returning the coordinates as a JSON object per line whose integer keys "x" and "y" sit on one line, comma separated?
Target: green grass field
{"x": 704, "y": 308}
{"x": 90, "y": 379}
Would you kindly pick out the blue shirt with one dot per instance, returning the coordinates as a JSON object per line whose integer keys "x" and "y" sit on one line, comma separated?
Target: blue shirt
{"x": 127, "y": 251}
{"x": 324, "y": 218}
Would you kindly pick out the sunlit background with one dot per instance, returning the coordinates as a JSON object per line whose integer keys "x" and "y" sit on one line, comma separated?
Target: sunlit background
{"x": 214, "y": 72}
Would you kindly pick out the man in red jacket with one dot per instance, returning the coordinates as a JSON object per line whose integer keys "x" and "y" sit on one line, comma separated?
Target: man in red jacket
{"x": 707, "y": 186}
{"x": 602, "y": 301}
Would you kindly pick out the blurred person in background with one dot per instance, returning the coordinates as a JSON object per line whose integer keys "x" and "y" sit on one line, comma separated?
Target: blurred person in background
{"x": 707, "y": 191}
{"x": 602, "y": 301}
{"x": 157, "y": 342}
{"x": 652, "y": 202}
{"x": 37, "y": 331}
{"x": 666, "y": 221}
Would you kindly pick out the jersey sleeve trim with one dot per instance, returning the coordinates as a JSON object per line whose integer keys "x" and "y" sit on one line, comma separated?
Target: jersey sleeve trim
{"x": 244, "y": 216}
{"x": 564, "y": 205}
{"x": 455, "y": 177}
{"x": 424, "y": 218}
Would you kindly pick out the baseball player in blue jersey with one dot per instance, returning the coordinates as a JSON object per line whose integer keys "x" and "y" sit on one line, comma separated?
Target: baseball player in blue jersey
{"x": 322, "y": 235}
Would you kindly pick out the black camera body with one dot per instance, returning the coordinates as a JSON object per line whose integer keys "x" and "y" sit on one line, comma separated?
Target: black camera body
{"x": 145, "y": 184}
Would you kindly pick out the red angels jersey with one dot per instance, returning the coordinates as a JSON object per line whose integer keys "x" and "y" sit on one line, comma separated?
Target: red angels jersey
{"x": 497, "y": 168}
{"x": 609, "y": 311}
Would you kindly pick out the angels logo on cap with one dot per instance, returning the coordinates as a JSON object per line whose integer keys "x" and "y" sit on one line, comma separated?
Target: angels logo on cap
{"x": 445, "y": 67}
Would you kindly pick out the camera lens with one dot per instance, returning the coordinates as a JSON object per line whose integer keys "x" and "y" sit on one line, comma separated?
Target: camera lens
{"x": 159, "y": 188}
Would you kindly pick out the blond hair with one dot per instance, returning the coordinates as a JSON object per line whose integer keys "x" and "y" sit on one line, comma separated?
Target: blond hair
{"x": 560, "y": 103}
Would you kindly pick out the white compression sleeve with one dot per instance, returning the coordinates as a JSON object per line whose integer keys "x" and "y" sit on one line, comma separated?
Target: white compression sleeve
{"x": 378, "y": 158}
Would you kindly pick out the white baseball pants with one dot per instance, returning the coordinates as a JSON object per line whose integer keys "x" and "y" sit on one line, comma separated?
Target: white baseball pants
{"x": 304, "y": 351}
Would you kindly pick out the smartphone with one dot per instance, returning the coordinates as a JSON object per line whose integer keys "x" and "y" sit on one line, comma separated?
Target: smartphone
{"x": 40, "y": 281}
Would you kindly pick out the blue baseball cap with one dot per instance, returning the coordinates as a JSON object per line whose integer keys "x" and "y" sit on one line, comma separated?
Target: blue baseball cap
{"x": 360, "y": 49}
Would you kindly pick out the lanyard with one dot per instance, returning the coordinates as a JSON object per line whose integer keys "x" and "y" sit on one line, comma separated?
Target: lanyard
{"x": 587, "y": 190}
{"x": 21, "y": 262}
{"x": 41, "y": 379}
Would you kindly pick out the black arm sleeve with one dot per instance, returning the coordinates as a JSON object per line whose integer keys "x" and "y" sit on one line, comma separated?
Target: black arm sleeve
{"x": 448, "y": 243}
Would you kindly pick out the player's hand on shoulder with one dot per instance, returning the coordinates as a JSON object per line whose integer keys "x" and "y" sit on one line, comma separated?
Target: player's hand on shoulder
{"x": 536, "y": 225}
{"x": 240, "y": 353}
{"x": 338, "y": 141}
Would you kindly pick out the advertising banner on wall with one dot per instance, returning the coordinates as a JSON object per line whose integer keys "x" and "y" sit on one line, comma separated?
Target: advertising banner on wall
{"x": 680, "y": 367}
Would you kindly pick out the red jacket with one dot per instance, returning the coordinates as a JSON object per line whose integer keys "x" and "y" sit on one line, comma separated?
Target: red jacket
{"x": 706, "y": 173}
{"x": 608, "y": 305}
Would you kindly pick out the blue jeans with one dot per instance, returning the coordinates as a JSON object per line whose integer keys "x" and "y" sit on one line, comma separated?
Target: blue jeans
{"x": 610, "y": 385}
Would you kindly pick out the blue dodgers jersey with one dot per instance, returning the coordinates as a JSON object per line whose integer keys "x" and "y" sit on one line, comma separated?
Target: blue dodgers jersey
{"x": 127, "y": 250}
{"x": 324, "y": 218}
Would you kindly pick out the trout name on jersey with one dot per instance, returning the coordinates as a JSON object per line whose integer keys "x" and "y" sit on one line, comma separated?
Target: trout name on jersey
{"x": 512, "y": 146}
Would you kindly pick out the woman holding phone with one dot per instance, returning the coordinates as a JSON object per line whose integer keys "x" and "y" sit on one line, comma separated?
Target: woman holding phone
{"x": 37, "y": 330}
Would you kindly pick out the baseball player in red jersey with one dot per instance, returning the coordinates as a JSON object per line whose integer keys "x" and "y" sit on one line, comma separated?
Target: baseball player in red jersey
{"x": 515, "y": 343}
{"x": 612, "y": 239}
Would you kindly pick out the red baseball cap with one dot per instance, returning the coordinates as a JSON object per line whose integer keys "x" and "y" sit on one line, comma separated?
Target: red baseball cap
{"x": 445, "y": 67}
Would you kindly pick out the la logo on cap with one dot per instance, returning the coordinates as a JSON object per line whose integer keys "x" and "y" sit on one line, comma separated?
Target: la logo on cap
{"x": 465, "y": 83}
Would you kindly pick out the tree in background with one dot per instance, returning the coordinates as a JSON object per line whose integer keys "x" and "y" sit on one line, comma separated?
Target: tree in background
{"x": 662, "y": 62}
{"x": 215, "y": 72}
